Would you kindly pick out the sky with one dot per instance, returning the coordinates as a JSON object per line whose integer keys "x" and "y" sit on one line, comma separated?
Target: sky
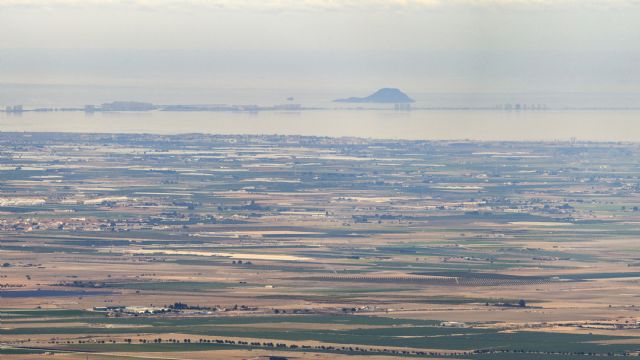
{"x": 349, "y": 47}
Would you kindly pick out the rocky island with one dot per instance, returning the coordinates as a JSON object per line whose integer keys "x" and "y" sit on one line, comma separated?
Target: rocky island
{"x": 384, "y": 95}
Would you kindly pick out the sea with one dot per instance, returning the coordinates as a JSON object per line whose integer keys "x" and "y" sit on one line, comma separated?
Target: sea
{"x": 434, "y": 116}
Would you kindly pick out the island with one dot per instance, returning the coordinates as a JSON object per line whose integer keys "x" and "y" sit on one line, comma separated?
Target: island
{"x": 384, "y": 95}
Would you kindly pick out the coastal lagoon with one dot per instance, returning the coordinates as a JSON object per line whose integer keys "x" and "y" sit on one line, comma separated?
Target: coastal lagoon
{"x": 582, "y": 125}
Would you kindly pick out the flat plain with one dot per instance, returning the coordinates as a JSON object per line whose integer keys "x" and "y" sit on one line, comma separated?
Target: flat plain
{"x": 201, "y": 246}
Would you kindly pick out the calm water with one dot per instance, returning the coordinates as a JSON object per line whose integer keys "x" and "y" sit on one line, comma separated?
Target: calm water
{"x": 419, "y": 124}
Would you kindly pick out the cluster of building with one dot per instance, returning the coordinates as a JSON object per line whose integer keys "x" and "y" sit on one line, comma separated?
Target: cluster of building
{"x": 13, "y": 109}
{"x": 518, "y": 106}
{"x": 144, "y": 106}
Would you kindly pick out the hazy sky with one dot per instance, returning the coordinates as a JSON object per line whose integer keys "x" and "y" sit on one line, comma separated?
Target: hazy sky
{"x": 420, "y": 46}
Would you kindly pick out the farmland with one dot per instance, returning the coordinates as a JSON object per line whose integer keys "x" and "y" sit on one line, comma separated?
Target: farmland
{"x": 199, "y": 246}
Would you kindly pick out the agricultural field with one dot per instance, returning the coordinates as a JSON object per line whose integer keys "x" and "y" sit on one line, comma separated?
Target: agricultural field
{"x": 202, "y": 246}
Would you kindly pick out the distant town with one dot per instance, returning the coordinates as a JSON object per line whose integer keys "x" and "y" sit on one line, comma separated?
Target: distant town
{"x": 394, "y": 98}
{"x": 144, "y": 106}
{"x": 136, "y": 106}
